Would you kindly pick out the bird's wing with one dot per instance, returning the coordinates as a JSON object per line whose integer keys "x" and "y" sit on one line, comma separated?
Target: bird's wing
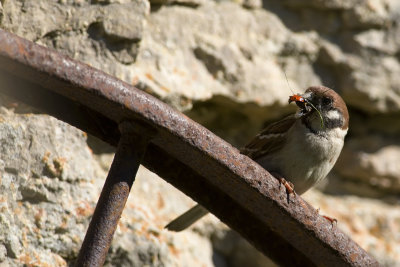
{"x": 270, "y": 139}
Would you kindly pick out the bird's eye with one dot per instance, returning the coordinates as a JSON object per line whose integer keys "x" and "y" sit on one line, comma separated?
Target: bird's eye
{"x": 326, "y": 101}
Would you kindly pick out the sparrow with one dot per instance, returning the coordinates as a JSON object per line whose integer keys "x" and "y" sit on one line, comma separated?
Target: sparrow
{"x": 299, "y": 150}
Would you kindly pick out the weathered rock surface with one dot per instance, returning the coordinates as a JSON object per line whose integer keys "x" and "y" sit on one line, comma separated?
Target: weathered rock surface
{"x": 372, "y": 162}
{"x": 46, "y": 187}
{"x": 224, "y": 64}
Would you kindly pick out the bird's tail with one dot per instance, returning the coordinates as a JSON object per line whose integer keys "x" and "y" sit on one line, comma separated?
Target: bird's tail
{"x": 187, "y": 219}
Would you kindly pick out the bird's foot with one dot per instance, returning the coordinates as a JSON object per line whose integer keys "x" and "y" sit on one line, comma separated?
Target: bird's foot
{"x": 288, "y": 185}
{"x": 330, "y": 219}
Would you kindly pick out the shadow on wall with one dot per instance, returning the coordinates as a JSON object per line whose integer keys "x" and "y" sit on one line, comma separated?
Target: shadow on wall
{"x": 237, "y": 123}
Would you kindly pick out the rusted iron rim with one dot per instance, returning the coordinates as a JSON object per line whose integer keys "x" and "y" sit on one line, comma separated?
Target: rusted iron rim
{"x": 211, "y": 171}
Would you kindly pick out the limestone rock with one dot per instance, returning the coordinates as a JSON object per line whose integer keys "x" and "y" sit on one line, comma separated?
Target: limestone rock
{"x": 224, "y": 64}
{"x": 96, "y": 34}
{"x": 218, "y": 55}
{"x": 372, "y": 161}
{"x": 46, "y": 189}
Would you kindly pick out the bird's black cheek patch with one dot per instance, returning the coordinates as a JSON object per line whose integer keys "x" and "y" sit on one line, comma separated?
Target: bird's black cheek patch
{"x": 334, "y": 123}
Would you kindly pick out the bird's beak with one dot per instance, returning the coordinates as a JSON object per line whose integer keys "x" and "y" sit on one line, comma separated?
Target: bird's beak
{"x": 304, "y": 105}
{"x": 310, "y": 107}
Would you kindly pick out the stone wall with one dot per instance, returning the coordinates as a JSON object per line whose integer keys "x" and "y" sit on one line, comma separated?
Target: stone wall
{"x": 223, "y": 63}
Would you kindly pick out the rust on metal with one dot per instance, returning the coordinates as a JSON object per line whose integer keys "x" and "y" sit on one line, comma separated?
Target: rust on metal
{"x": 232, "y": 186}
{"x": 130, "y": 151}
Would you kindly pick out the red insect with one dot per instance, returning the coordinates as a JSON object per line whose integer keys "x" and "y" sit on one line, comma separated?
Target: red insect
{"x": 300, "y": 101}
{"x": 296, "y": 98}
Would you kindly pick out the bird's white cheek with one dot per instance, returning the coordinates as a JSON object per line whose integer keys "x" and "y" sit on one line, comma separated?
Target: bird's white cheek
{"x": 333, "y": 115}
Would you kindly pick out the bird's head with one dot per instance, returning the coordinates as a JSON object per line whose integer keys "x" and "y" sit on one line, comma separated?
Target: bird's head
{"x": 321, "y": 109}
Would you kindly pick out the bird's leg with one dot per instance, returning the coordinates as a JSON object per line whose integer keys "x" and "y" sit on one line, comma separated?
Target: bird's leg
{"x": 330, "y": 219}
{"x": 282, "y": 181}
{"x": 288, "y": 185}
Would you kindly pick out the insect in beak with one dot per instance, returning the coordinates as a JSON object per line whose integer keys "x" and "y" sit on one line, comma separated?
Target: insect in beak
{"x": 305, "y": 106}
{"x": 296, "y": 98}
{"x": 300, "y": 102}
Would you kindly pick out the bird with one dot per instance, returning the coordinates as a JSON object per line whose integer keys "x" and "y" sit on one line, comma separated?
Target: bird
{"x": 299, "y": 150}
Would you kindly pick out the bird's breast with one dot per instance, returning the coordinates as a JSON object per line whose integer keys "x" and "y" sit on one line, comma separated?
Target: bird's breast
{"x": 306, "y": 158}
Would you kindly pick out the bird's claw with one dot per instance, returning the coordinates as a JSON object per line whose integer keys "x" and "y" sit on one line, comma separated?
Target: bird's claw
{"x": 288, "y": 185}
{"x": 330, "y": 219}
